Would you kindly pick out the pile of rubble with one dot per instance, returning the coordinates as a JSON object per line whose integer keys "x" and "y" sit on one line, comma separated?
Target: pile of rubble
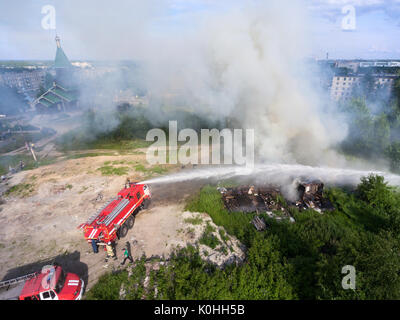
{"x": 251, "y": 199}
{"x": 259, "y": 223}
{"x": 311, "y": 196}
{"x": 269, "y": 199}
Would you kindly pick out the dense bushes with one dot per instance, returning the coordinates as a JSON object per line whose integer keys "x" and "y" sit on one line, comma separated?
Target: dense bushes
{"x": 189, "y": 277}
{"x": 301, "y": 260}
{"x": 108, "y": 286}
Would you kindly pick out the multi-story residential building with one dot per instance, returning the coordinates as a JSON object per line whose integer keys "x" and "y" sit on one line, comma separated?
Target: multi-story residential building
{"x": 342, "y": 87}
{"x": 385, "y": 81}
{"x": 24, "y": 81}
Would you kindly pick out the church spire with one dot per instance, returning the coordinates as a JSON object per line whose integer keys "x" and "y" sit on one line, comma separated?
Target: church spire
{"x": 58, "y": 41}
{"x": 61, "y": 60}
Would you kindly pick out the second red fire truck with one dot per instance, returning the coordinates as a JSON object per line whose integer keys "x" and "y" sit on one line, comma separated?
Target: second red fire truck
{"x": 52, "y": 283}
{"x": 117, "y": 216}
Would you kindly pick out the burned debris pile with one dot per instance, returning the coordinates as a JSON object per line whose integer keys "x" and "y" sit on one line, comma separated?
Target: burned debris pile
{"x": 311, "y": 196}
{"x": 271, "y": 200}
{"x": 251, "y": 199}
{"x": 259, "y": 223}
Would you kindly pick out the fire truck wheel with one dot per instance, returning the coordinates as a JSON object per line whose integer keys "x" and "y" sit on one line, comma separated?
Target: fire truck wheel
{"x": 123, "y": 231}
{"x": 146, "y": 203}
{"x": 130, "y": 222}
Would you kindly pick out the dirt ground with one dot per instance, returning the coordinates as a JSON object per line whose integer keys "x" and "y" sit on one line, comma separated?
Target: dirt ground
{"x": 41, "y": 221}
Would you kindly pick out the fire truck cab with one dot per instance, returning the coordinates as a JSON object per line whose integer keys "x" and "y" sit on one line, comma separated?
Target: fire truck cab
{"x": 52, "y": 283}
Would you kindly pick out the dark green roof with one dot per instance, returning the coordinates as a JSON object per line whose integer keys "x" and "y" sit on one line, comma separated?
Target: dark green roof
{"x": 45, "y": 102}
{"x": 63, "y": 93}
{"x": 51, "y": 97}
{"x": 55, "y": 95}
{"x": 61, "y": 60}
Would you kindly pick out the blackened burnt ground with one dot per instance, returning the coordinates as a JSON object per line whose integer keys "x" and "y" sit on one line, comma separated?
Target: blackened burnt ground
{"x": 268, "y": 198}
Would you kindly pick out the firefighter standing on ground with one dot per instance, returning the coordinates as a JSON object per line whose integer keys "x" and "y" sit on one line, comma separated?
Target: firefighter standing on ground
{"x": 110, "y": 251}
{"x": 127, "y": 253}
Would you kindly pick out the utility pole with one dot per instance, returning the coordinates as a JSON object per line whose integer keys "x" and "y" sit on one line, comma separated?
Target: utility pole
{"x": 30, "y": 148}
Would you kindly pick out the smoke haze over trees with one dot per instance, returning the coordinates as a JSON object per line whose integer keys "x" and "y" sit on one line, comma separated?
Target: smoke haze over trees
{"x": 240, "y": 67}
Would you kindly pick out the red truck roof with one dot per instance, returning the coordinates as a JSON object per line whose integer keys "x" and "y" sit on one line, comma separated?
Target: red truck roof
{"x": 115, "y": 212}
{"x": 51, "y": 280}
{"x": 43, "y": 282}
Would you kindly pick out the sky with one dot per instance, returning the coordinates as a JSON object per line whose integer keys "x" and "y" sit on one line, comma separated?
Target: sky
{"x": 124, "y": 29}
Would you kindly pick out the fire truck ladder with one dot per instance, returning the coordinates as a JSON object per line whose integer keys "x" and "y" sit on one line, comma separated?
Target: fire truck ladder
{"x": 117, "y": 210}
{"x": 17, "y": 280}
{"x": 94, "y": 216}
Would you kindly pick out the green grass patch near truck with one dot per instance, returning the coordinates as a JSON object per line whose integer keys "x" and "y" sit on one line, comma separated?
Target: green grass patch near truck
{"x": 113, "y": 171}
{"x": 21, "y": 190}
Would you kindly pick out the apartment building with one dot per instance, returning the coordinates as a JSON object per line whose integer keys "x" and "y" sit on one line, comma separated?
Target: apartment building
{"x": 342, "y": 87}
{"x": 24, "y": 81}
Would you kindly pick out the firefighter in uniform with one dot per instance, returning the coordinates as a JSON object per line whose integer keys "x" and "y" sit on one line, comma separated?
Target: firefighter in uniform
{"x": 110, "y": 251}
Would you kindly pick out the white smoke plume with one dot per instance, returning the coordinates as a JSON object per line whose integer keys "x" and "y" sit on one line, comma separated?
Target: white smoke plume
{"x": 250, "y": 63}
{"x": 246, "y": 61}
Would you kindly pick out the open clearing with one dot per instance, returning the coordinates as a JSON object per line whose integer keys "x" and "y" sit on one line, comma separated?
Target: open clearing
{"x": 44, "y": 207}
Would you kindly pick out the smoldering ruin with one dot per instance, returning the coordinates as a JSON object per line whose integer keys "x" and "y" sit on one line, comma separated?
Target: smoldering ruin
{"x": 274, "y": 200}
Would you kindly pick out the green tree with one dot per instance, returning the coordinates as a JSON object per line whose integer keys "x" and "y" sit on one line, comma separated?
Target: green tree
{"x": 381, "y": 138}
{"x": 368, "y": 86}
{"x": 361, "y": 132}
{"x": 377, "y": 193}
{"x": 393, "y": 153}
{"x": 396, "y": 90}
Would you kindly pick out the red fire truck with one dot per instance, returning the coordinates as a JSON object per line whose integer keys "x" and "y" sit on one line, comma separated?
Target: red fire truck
{"x": 52, "y": 283}
{"x": 114, "y": 219}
